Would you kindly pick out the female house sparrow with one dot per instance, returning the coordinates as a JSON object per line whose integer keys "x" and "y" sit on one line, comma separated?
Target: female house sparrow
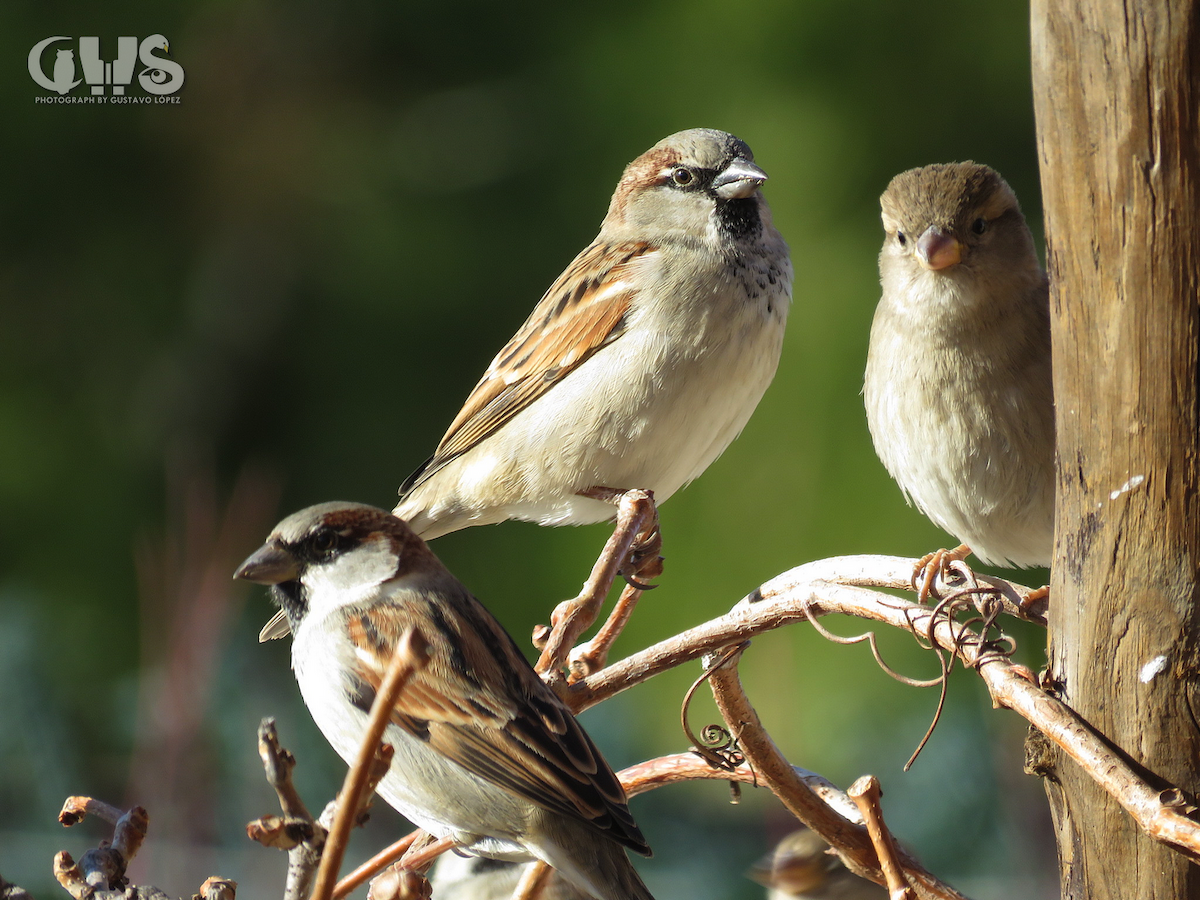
{"x": 958, "y": 387}
{"x": 801, "y": 867}
{"x": 485, "y": 752}
{"x": 641, "y": 363}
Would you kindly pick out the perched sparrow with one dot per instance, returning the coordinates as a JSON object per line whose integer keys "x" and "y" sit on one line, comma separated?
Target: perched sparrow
{"x": 476, "y": 878}
{"x": 958, "y": 390}
{"x": 801, "y": 867}
{"x": 485, "y": 752}
{"x": 640, "y": 364}
{"x": 638, "y": 367}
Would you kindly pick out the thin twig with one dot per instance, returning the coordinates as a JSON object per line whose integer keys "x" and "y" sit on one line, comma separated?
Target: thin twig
{"x": 278, "y": 762}
{"x": 375, "y": 864}
{"x": 571, "y": 618}
{"x": 592, "y": 656}
{"x": 423, "y": 853}
{"x": 677, "y": 767}
{"x": 850, "y": 839}
{"x": 412, "y": 653}
{"x": 866, "y": 794}
{"x": 533, "y": 881}
{"x": 297, "y": 832}
{"x": 100, "y": 872}
{"x": 75, "y": 809}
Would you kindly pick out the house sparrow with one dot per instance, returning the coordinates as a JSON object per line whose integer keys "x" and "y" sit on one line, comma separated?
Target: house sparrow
{"x": 641, "y": 363}
{"x": 958, "y": 388}
{"x": 800, "y": 866}
{"x": 485, "y": 752}
{"x": 475, "y": 878}
{"x": 638, "y": 367}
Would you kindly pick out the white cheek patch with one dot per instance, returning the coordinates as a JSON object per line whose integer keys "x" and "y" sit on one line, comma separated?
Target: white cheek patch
{"x": 352, "y": 576}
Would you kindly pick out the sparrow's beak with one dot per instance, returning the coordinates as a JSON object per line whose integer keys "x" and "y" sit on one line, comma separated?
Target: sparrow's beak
{"x": 740, "y": 179}
{"x": 270, "y": 564}
{"x": 937, "y": 250}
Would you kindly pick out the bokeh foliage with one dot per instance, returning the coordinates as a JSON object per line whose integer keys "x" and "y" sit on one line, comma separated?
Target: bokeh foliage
{"x": 305, "y": 265}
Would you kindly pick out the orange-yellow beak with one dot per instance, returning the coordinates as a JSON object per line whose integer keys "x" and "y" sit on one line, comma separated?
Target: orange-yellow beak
{"x": 937, "y": 250}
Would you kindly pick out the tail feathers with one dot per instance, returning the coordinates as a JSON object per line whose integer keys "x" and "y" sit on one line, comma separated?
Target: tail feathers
{"x": 596, "y": 865}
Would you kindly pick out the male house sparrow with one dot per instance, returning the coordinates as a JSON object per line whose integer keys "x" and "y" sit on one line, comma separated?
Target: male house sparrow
{"x": 958, "y": 387}
{"x": 485, "y": 752}
{"x": 800, "y": 867}
{"x": 639, "y": 366}
{"x": 641, "y": 363}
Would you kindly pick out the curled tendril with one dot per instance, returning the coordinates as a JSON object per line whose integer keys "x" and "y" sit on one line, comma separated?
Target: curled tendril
{"x": 989, "y": 643}
{"x": 716, "y": 745}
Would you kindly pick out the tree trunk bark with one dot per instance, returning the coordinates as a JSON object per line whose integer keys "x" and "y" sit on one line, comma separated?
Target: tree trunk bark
{"x": 1117, "y": 98}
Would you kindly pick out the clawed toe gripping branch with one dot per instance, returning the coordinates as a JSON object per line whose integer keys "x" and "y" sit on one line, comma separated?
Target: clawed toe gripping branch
{"x": 961, "y": 626}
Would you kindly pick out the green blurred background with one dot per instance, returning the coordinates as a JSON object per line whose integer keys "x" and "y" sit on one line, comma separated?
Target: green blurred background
{"x": 279, "y": 291}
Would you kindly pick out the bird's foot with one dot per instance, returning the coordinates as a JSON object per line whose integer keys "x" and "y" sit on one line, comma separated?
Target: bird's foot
{"x": 645, "y": 556}
{"x": 1036, "y": 604}
{"x": 931, "y": 565}
{"x": 632, "y": 552}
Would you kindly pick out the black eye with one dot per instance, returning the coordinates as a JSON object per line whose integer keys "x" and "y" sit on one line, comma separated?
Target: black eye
{"x": 901, "y": 239}
{"x": 324, "y": 541}
{"x": 683, "y": 177}
{"x": 980, "y": 225}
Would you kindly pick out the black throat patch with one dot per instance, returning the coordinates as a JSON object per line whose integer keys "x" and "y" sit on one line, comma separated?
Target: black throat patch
{"x": 739, "y": 218}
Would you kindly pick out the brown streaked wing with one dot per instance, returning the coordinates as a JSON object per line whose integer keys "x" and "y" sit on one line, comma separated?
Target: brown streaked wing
{"x": 583, "y": 311}
{"x": 524, "y": 739}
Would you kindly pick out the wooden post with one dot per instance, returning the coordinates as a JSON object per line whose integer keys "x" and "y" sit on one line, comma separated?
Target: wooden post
{"x": 1117, "y": 97}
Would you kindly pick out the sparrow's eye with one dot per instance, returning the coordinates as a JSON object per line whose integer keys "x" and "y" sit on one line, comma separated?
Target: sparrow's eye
{"x": 901, "y": 239}
{"x": 683, "y": 177}
{"x": 980, "y": 225}
{"x": 324, "y": 541}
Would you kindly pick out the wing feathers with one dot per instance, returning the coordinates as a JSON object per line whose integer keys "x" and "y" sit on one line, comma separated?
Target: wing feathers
{"x": 583, "y": 311}
{"x": 479, "y": 703}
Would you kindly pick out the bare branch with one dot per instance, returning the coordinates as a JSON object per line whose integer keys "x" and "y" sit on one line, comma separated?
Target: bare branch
{"x": 297, "y": 832}
{"x": 100, "y": 872}
{"x": 571, "y": 618}
{"x": 279, "y": 763}
{"x": 849, "y": 838}
{"x": 665, "y": 770}
{"x": 375, "y": 864}
{"x": 839, "y": 585}
{"x": 866, "y": 793}
{"x": 532, "y": 882}
{"x": 75, "y": 809}
{"x": 412, "y": 653}
{"x": 592, "y": 656}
